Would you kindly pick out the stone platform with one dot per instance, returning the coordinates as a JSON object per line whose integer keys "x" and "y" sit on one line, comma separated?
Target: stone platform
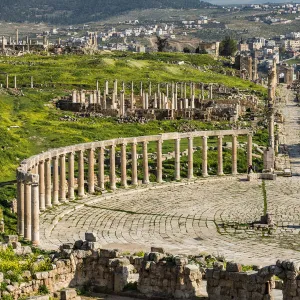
{"x": 208, "y": 215}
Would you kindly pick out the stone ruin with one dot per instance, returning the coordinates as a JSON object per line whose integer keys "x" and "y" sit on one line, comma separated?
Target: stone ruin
{"x": 233, "y": 283}
{"x": 199, "y": 101}
{"x": 155, "y": 275}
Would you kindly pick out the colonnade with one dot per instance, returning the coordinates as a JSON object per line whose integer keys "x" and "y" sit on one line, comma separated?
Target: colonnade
{"x": 54, "y": 177}
{"x": 158, "y": 96}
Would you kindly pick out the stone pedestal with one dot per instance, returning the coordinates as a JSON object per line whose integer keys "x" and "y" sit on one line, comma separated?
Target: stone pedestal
{"x": 269, "y": 159}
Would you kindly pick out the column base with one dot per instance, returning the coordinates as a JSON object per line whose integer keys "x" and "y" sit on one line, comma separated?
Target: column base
{"x": 205, "y": 175}
{"x": 146, "y": 182}
{"x": 220, "y": 174}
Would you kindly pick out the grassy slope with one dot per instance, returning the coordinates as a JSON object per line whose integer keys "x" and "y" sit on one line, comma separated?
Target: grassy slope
{"x": 39, "y": 125}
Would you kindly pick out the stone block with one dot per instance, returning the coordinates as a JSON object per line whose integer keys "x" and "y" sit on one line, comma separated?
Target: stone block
{"x": 78, "y": 244}
{"x": 93, "y": 245}
{"x": 233, "y": 267}
{"x": 109, "y": 253}
{"x": 10, "y": 238}
{"x": 180, "y": 261}
{"x": 158, "y": 249}
{"x": 68, "y": 294}
{"x": 41, "y": 297}
{"x": 90, "y": 237}
{"x": 66, "y": 246}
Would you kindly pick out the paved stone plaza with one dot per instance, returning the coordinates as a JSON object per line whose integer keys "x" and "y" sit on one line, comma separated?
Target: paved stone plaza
{"x": 186, "y": 218}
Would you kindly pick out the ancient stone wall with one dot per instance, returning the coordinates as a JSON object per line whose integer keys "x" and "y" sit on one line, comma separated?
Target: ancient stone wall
{"x": 233, "y": 283}
{"x": 80, "y": 265}
{"x": 168, "y": 277}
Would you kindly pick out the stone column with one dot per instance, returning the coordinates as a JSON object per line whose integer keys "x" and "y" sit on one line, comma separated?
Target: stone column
{"x": 80, "y": 179}
{"x": 234, "y": 155}
{"x": 104, "y": 101}
{"x": 74, "y": 96}
{"x": 62, "y": 179}
{"x": 141, "y": 89}
{"x": 106, "y": 87}
{"x": 7, "y": 84}
{"x": 20, "y": 207}
{"x": 220, "y": 155}
{"x": 35, "y": 233}
{"x": 202, "y": 91}
{"x": 97, "y": 85}
{"x": 123, "y": 165}
{"x": 31, "y": 82}
{"x": 190, "y": 158}
{"x": 150, "y": 89}
{"x": 177, "y": 159}
{"x": 204, "y": 156}
{"x": 27, "y": 211}
{"x": 167, "y": 90}
{"x": 249, "y": 150}
{"x": 145, "y": 163}
{"x": 48, "y": 183}
{"x": 15, "y": 82}
{"x": 55, "y": 181}
{"x": 42, "y": 185}
{"x": 91, "y": 172}
{"x": 134, "y": 178}
{"x": 122, "y": 103}
{"x": 211, "y": 91}
{"x": 184, "y": 90}
{"x": 146, "y": 101}
{"x": 112, "y": 174}
{"x": 71, "y": 178}
{"x": 101, "y": 168}
{"x": 159, "y": 161}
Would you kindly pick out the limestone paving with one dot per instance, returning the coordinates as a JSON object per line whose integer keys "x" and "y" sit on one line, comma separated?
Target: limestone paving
{"x": 186, "y": 218}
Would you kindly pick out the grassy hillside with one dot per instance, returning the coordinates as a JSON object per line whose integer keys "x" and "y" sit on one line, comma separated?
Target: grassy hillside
{"x": 30, "y": 123}
{"x": 80, "y": 11}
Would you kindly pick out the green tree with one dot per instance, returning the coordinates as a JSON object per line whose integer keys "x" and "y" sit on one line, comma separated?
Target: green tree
{"x": 162, "y": 44}
{"x": 186, "y": 50}
{"x": 200, "y": 50}
{"x": 228, "y": 46}
{"x": 282, "y": 51}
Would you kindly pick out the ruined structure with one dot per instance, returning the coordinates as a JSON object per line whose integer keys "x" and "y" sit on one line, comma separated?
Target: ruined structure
{"x": 248, "y": 67}
{"x": 211, "y": 48}
{"x": 285, "y": 74}
{"x": 191, "y": 100}
{"x": 156, "y": 275}
{"x": 48, "y": 179}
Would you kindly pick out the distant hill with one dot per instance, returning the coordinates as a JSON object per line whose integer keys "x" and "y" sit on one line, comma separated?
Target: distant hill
{"x": 81, "y": 11}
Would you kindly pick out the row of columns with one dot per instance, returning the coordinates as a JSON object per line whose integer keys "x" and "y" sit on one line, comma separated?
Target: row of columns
{"x": 54, "y": 184}
{"x": 15, "y": 86}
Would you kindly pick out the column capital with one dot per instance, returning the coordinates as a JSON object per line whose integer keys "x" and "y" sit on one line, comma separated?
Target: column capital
{"x": 220, "y": 136}
{"x": 145, "y": 142}
{"x": 250, "y": 134}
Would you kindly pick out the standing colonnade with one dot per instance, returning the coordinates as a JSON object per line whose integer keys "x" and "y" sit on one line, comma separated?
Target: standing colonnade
{"x": 51, "y": 178}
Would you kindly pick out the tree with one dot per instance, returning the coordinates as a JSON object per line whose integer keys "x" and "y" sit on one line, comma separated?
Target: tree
{"x": 186, "y": 50}
{"x": 282, "y": 51}
{"x": 162, "y": 44}
{"x": 200, "y": 50}
{"x": 228, "y": 46}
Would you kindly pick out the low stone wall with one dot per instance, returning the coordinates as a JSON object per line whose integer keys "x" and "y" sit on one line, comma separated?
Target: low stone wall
{"x": 80, "y": 265}
{"x": 169, "y": 277}
{"x": 232, "y": 283}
